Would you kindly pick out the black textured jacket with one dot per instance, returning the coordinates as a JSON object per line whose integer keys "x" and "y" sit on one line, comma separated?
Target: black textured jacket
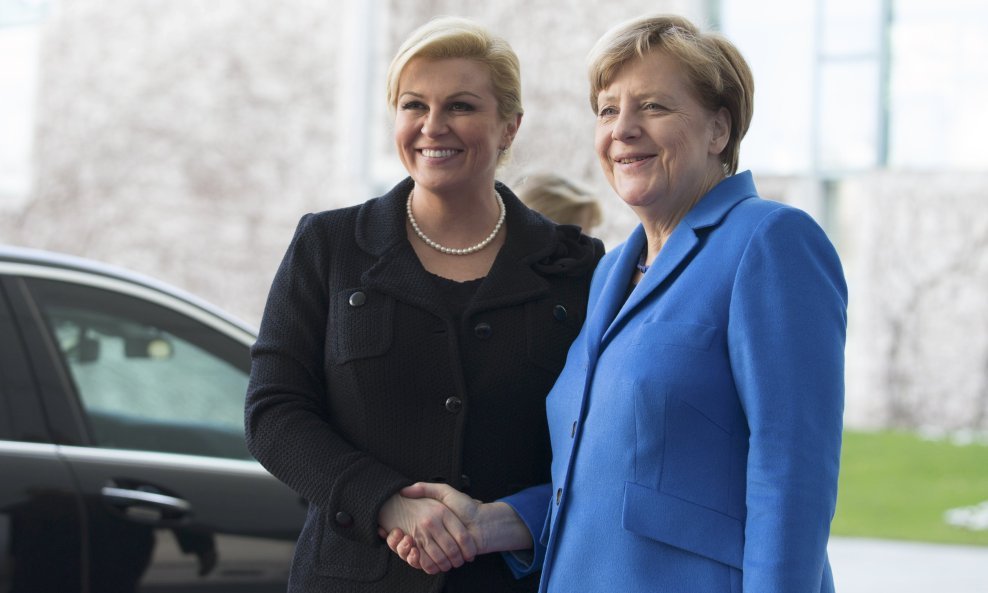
{"x": 362, "y": 383}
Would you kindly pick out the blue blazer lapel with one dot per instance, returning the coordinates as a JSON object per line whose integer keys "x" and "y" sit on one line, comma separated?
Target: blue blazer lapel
{"x": 614, "y": 287}
{"x": 680, "y": 247}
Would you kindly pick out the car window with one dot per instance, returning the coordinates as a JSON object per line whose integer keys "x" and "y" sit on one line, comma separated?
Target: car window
{"x": 148, "y": 377}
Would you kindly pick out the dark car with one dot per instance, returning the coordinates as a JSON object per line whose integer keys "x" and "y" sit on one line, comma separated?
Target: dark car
{"x": 122, "y": 457}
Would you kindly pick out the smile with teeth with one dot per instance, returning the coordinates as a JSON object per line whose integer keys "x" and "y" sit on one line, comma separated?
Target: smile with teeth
{"x": 633, "y": 159}
{"x": 438, "y": 153}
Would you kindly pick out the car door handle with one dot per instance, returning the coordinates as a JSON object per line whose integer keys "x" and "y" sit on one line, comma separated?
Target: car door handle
{"x": 141, "y": 504}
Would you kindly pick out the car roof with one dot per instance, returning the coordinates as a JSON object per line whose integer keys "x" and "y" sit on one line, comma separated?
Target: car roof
{"x": 49, "y": 259}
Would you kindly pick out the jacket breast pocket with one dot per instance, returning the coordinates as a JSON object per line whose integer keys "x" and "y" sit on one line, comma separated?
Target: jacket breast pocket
{"x": 695, "y": 336}
{"x": 361, "y": 325}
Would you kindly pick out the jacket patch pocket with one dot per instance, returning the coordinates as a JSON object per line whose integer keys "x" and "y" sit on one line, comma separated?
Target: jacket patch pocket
{"x": 682, "y": 524}
{"x": 345, "y": 559}
{"x": 696, "y": 464}
{"x": 360, "y": 325}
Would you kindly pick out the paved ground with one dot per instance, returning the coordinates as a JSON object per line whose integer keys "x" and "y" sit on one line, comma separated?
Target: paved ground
{"x": 877, "y": 566}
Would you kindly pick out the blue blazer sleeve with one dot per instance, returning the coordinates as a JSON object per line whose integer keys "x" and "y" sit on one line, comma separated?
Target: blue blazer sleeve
{"x": 532, "y": 505}
{"x": 788, "y": 318}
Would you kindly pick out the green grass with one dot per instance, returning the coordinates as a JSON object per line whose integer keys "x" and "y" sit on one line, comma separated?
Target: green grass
{"x": 898, "y": 486}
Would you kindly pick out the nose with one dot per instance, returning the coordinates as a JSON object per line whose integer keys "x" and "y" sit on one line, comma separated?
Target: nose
{"x": 434, "y": 124}
{"x": 626, "y": 126}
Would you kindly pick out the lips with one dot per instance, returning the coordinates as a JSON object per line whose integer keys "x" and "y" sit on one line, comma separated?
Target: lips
{"x": 630, "y": 160}
{"x": 438, "y": 153}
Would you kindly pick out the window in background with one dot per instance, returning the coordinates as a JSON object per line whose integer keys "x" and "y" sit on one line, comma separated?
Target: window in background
{"x": 776, "y": 37}
{"x": 851, "y": 85}
{"x": 19, "y": 54}
{"x": 939, "y": 84}
{"x": 849, "y": 113}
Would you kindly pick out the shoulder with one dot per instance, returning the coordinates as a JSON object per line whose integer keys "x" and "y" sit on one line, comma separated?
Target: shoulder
{"x": 761, "y": 219}
{"x": 551, "y": 249}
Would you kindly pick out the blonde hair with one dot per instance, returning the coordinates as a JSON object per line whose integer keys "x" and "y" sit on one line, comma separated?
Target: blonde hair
{"x": 559, "y": 199}
{"x": 716, "y": 70}
{"x": 454, "y": 37}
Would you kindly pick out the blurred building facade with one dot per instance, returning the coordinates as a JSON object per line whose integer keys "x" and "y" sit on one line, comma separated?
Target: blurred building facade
{"x": 184, "y": 140}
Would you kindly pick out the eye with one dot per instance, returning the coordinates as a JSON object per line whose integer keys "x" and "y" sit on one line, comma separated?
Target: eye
{"x": 460, "y": 106}
{"x": 607, "y": 112}
{"x": 412, "y": 105}
{"x": 653, "y": 107}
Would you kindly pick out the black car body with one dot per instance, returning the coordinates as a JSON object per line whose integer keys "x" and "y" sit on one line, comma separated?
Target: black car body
{"x": 122, "y": 457}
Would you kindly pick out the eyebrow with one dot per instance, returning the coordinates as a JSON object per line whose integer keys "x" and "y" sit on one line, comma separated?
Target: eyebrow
{"x": 451, "y": 97}
{"x": 656, "y": 95}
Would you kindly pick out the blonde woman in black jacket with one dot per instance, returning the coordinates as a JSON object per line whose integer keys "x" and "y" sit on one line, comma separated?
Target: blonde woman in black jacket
{"x": 415, "y": 337}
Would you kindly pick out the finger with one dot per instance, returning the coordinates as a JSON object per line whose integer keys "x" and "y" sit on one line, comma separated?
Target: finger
{"x": 430, "y": 550}
{"x": 427, "y": 563}
{"x": 425, "y": 490}
{"x": 413, "y": 559}
{"x": 466, "y": 549}
{"x": 394, "y": 539}
{"x": 433, "y": 541}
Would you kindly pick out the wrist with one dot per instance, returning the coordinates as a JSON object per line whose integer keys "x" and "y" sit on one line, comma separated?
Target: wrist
{"x": 501, "y": 529}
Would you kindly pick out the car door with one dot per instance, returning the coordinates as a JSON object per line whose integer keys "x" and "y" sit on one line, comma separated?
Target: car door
{"x": 41, "y": 517}
{"x": 145, "y": 395}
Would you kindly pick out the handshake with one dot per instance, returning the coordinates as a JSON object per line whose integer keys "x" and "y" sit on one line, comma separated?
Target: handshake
{"x": 435, "y": 527}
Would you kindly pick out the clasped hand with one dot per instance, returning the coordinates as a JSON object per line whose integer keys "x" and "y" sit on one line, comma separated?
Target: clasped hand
{"x": 433, "y": 527}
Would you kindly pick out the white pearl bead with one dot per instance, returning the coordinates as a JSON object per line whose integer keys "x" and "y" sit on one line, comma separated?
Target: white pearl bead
{"x": 452, "y": 250}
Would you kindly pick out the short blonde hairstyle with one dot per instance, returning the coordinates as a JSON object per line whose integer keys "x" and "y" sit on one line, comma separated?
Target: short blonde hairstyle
{"x": 560, "y": 200}
{"x": 716, "y": 70}
{"x": 454, "y": 37}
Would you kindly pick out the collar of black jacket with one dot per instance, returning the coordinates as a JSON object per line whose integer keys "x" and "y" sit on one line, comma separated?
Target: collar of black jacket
{"x": 535, "y": 248}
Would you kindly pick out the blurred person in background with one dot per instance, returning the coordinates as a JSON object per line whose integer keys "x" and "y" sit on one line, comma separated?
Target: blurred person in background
{"x": 696, "y": 427}
{"x": 414, "y": 337}
{"x": 561, "y": 200}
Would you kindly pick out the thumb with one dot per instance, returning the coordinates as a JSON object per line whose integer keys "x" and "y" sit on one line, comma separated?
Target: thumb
{"x": 425, "y": 490}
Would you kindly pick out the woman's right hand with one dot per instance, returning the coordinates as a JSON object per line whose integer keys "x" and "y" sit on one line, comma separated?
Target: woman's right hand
{"x": 493, "y": 527}
{"x": 442, "y": 540}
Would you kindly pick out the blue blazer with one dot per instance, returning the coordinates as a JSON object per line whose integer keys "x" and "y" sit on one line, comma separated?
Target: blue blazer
{"x": 696, "y": 426}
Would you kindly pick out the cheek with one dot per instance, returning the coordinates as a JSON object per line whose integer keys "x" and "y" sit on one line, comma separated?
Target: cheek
{"x": 404, "y": 130}
{"x": 601, "y": 144}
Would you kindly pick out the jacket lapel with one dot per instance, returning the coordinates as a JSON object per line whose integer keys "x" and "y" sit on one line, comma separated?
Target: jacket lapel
{"x": 398, "y": 272}
{"x": 681, "y": 247}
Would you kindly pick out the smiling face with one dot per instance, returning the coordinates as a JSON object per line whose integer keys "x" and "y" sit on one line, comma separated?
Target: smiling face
{"x": 657, "y": 144}
{"x": 447, "y": 127}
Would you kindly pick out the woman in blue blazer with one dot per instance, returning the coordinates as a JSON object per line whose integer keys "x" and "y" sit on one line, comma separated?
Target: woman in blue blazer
{"x": 696, "y": 425}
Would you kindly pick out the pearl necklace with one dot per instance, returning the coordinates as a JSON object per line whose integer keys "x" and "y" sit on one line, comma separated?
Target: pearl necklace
{"x": 452, "y": 250}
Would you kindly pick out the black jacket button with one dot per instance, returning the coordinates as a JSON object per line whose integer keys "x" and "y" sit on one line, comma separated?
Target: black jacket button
{"x": 483, "y": 330}
{"x": 572, "y": 431}
{"x": 344, "y": 519}
{"x": 559, "y": 495}
{"x": 560, "y": 313}
{"x": 453, "y": 404}
{"x": 357, "y": 299}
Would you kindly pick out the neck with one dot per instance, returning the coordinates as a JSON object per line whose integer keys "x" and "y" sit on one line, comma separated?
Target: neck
{"x": 455, "y": 207}
{"x": 658, "y": 225}
{"x": 456, "y": 221}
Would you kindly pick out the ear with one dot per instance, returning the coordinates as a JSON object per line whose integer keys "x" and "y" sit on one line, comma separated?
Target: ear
{"x": 511, "y": 130}
{"x": 720, "y": 130}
